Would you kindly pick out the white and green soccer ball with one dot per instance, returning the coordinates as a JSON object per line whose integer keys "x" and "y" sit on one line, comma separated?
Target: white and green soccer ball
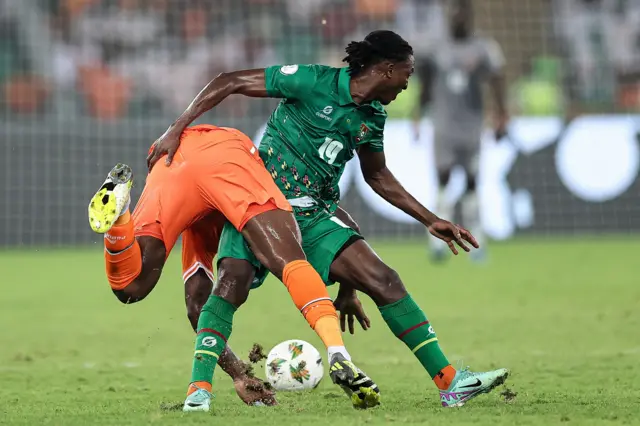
{"x": 294, "y": 365}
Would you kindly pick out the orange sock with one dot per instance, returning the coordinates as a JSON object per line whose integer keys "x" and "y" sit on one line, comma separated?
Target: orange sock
{"x": 328, "y": 328}
{"x": 198, "y": 385}
{"x": 444, "y": 378}
{"x": 122, "y": 253}
{"x": 310, "y": 296}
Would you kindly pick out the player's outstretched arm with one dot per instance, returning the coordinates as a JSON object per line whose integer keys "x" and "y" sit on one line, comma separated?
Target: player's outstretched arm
{"x": 383, "y": 182}
{"x": 246, "y": 82}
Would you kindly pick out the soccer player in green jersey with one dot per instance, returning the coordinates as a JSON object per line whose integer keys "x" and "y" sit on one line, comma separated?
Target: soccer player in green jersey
{"x": 326, "y": 117}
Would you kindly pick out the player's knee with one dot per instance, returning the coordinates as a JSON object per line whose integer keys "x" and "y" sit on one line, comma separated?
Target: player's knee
{"x": 130, "y": 294}
{"x": 235, "y": 277}
{"x": 271, "y": 232}
{"x": 443, "y": 176}
{"x": 385, "y": 285}
{"x": 142, "y": 280}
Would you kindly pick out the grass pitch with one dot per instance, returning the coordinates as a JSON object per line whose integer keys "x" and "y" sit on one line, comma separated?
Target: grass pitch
{"x": 563, "y": 316}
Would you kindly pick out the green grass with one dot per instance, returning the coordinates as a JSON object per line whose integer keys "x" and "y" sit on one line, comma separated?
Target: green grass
{"x": 563, "y": 316}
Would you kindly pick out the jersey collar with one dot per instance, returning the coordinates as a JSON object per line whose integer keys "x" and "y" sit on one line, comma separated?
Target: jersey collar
{"x": 344, "y": 90}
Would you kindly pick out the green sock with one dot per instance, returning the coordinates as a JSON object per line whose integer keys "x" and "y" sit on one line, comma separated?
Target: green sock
{"x": 407, "y": 321}
{"x": 214, "y": 328}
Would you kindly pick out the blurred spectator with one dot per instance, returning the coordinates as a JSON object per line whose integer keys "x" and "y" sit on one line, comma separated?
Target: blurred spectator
{"x": 421, "y": 22}
{"x": 123, "y": 58}
{"x": 602, "y": 38}
{"x": 539, "y": 90}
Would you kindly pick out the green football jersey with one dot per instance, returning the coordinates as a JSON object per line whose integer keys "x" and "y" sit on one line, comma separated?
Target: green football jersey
{"x": 315, "y": 130}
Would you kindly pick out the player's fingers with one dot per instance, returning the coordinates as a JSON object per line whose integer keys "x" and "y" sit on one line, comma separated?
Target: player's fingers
{"x": 456, "y": 232}
{"x": 452, "y": 247}
{"x": 342, "y": 325}
{"x": 457, "y": 237}
{"x": 154, "y": 159}
{"x": 151, "y": 156}
{"x": 469, "y": 237}
{"x": 269, "y": 399}
{"x": 462, "y": 245}
{"x": 352, "y": 328}
{"x": 364, "y": 322}
{"x": 170, "y": 154}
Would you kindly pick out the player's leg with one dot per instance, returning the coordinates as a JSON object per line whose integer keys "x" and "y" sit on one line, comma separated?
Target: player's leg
{"x": 444, "y": 155}
{"x": 133, "y": 265}
{"x": 136, "y": 245}
{"x": 242, "y": 189}
{"x": 249, "y": 388}
{"x": 274, "y": 239}
{"x": 199, "y": 247}
{"x": 469, "y": 159}
{"x": 359, "y": 266}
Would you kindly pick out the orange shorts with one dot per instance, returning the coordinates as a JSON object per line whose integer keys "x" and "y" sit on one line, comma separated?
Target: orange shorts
{"x": 200, "y": 245}
{"x": 215, "y": 169}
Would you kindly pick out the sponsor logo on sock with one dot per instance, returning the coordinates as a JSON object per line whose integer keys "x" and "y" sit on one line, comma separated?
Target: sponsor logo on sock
{"x": 114, "y": 238}
{"x": 473, "y": 385}
{"x": 209, "y": 342}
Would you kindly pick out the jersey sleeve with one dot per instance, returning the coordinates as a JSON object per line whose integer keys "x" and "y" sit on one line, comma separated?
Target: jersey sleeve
{"x": 495, "y": 56}
{"x": 290, "y": 81}
{"x": 372, "y": 133}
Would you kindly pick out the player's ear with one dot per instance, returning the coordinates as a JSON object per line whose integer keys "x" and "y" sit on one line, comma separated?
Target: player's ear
{"x": 390, "y": 67}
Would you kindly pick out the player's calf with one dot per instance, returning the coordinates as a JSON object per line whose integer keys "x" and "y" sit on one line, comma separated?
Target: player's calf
{"x": 372, "y": 276}
{"x": 359, "y": 266}
{"x": 152, "y": 261}
{"x": 197, "y": 289}
{"x": 214, "y": 328}
{"x": 275, "y": 238}
{"x": 235, "y": 277}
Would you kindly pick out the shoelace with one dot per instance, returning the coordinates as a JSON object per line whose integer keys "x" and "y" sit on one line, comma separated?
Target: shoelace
{"x": 464, "y": 372}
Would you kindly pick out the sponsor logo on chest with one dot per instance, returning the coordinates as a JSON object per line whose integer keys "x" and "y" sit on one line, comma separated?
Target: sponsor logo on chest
{"x": 325, "y": 113}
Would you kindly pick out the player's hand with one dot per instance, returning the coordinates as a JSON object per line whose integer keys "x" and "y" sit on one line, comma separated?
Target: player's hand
{"x": 252, "y": 391}
{"x": 450, "y": 233}
{"x": 168, "y": 144}
{"x": 350, "y": 310}
{"x": 500, "y": 126}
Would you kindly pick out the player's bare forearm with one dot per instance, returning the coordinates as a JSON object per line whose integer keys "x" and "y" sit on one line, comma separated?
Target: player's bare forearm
{"x": 498, "y": 89}
{"x": 384, "y": 183}
{"x": 246, "y": 82}
{"x": 231, "y": 364}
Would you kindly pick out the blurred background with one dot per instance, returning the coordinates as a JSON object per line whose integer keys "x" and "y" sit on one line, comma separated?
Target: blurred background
{"x": 87, "y": 83}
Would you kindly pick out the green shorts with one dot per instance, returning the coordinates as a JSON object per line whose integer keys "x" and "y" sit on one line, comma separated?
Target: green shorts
{"x": 324, "y": 236}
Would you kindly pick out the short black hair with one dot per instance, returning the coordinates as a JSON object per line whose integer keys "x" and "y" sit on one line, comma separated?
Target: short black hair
{"x": 378, "y": 46}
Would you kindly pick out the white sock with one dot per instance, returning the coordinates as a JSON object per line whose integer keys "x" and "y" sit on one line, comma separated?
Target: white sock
{"x": 331, "y": 350}
{"x": 471, "y": 215}
{"x": 125, "y": 208}
{"x": 444, "y": 210}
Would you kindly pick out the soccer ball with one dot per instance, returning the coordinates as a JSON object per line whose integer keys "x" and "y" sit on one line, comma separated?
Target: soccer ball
{"x": 294, "y": 365}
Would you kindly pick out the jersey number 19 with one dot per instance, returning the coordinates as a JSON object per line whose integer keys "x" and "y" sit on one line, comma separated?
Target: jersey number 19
{"x": 329, "y": 150}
